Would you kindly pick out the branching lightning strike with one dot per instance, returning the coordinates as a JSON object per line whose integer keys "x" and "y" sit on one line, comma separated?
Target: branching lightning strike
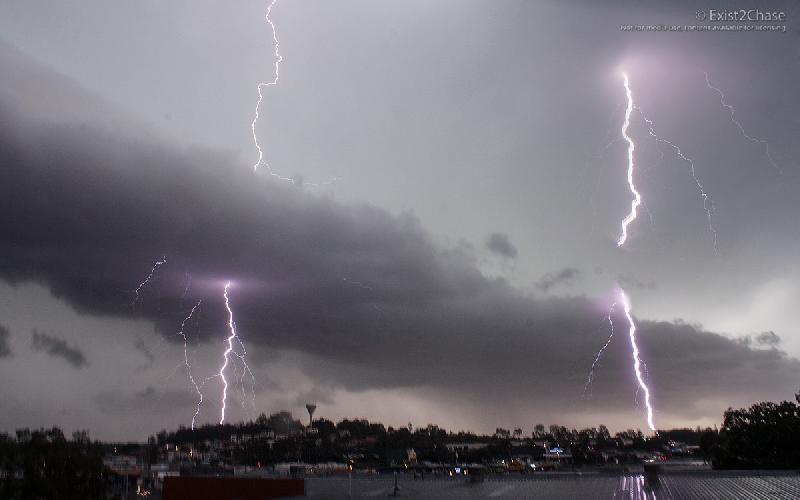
{"x": 261, "y": 85}
{"x": 708, "y": 203}
{"x": 626, "y": 305}
{"x": 590, "y": 378}
{"x": 232, "y": 335}
{"x": 137, "y": 292}
{"x": 278, "y": 60}
{"x": 732, "y": 110}
{"x": 197, "y": 387}
{"x": 637, "y": 198}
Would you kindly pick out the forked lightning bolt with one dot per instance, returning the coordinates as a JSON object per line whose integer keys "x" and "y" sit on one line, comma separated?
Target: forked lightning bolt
{"x": 260, "y": 88}
{"x": 232, "y": 335}
{"x": 590, "y": 378}
{"x": 637, "y": 198}
{"x": 137, "y": 292}
{"x": 708, "y": 204}
{"x": 197, "y": 387}
{"x": 738, "y": 124}
{"x": 623, "y": 298}
{"x": 637, "y": 363}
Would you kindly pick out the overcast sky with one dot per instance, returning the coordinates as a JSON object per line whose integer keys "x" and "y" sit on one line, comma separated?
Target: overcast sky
{"x": 460, "y": 269}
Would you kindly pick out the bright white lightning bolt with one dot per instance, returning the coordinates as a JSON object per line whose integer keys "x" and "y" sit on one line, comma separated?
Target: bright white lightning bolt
{"x": 259, "y": 88}
{"x": 736, "y": 122}
{"x": 638, "y": 389}
{"x": 197, "y": 387}
{"x": 278, "y": 60}
{"x": 149, "y": 277}
{"x": 232, "y": 335}
{"x": 708, "y": 204}
{"x": 636, "y": 361}
{"x": 590, "y": 378}
{"x": 232, "y": 328}
{"x": 637, "y": 198}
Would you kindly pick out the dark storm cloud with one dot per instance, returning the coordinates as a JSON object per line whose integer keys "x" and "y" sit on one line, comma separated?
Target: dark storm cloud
{"x": 5, "y": 351}
{"x": 768, "y": 338}
{"x": 142, "y": 348}
{"x": 58, "y": 348}
{"x": 148, "y": 399}
{"x": 88, "y": 211}
{"x": 683, "y": 363}
{"x": 500, "y": 244}
{"x": 564, "y": 276}
{"x": 763, "y": 339}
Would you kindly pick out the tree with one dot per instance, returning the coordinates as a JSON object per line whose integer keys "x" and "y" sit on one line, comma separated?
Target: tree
{"x": 766, "y": 435}
{"x": 44, "y": 464}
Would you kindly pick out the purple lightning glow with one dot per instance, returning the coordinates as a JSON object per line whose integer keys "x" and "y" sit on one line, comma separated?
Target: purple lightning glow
{"x": 637, "y": 363}
{"x": 137, "y": 296}
{"x": 637, "y": 198}
{"x": 708, "y": 204}
{"x": 590, "y": 378}
{"x": 736, "y": 122}
{"x": 197, "y": 387}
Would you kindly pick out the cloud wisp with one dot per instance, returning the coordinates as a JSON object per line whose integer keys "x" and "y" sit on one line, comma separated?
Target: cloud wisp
{"x": 58, "y": 348}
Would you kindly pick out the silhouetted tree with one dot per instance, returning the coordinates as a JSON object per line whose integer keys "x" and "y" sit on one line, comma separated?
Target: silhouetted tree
{"x": 45, "y": 464}
{"x": 766, "y": 435}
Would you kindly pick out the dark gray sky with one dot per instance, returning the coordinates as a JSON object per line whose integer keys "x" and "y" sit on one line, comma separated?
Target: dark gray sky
{"x": 461, "y": 269}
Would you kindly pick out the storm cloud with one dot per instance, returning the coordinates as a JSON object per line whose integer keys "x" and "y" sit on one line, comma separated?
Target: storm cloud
{"x": 500, "y": 244}
{"x": 142, "y": 348}
{"x": 147, "y": 400}
{"x": 58, "y": 348}
{"x": 360, "y": 298}
{"x": 562, "y": 277}
{"x": 428, "y": 319}
{"x": 5, "y": 350}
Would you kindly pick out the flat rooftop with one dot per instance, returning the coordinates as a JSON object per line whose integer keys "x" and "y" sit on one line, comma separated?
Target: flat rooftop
{"x": 705, "y": 485}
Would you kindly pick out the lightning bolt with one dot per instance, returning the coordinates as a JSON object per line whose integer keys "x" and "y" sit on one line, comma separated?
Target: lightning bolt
{"x": 638, "y": 389}
{"x": 738, "y": 124}
{"x": 637, "y": 198}
{"x": 590, "y": 378}
{"x": 232, "y": 335}
{"x": 623, "y": 298}
{"x": 137, "y": 292}
{"x": 197, "y": 387}
{"x": 260, "y": 89}
{"x": 708, "y": 204}
{"x": 637, "y": 363}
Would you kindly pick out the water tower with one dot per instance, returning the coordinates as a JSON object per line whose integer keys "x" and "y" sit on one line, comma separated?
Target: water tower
{"x": 311, "y": 407}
